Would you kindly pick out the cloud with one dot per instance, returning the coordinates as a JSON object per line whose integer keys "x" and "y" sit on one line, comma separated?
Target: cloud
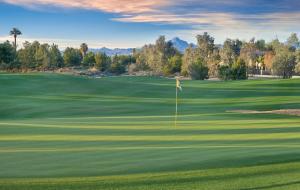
{"x": 114, "y": 6}
{"x": 266, "y": 26}
{"x": 219, "y": 20}
{"x": 230, "y": 18}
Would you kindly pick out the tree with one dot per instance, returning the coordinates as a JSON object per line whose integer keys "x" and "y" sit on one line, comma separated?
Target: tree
{"x": 27, "y": 55}
{"x": 268, "y": 60}
{"x": 224, "y": 72}
{"x": 83, "y": 49}
{"x": 275, "y": 46}
{"x": 117, "y": 66}
{"x": 213, "y": 62}
{"x": 42, "y": 57}
{"x": 231, "y": 51}
{"x": 173, "y": 65}
{"x": 236, "y": 71}
{"x": 207, "y": 50}
{"x": 56, "y": 59}
{"x": 198, "y": 70}
{"x": 205, "y": 45}
{"x": 260, "y": 45}
{"x": 293, "y": 41}
{"x": 15, "y": 33}
{"x": 190, "y": 56}
{"x": 102, "y": 61}
{"x": 155, "y": 57}
{"x": 7, "y": 57}
{"x": 284, "y": 64}
{"x": 89, "y": 59}
{"x": 72, "y": 57}
{"x": 140, "y": 61}
{"x": 249, "y": 52}
{"x": 239, "y": 70}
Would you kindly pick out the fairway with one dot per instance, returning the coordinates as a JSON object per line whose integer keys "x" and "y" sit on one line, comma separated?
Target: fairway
{"x": 70, "y": 132}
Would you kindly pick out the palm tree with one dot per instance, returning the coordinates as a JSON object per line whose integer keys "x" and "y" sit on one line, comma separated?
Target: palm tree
{"x": 15, "y": 32}
{"x": 84, "y": 48}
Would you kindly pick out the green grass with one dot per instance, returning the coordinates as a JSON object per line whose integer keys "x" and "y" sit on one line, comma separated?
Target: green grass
{"x": 67, "y": 132}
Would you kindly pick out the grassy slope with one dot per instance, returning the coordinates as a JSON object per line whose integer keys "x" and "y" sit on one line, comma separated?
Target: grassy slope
{"x": 63, "y": 132}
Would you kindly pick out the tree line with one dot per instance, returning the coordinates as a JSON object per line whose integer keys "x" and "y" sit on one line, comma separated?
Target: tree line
{"x": 44, "y": 57}
{"x": 233, "y": 60}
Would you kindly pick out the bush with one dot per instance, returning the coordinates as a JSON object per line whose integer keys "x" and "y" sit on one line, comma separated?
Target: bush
{"x": 236, "y": 71}
{"x": 173, "y": 65}
{"x": 8, "y": 59}
{"x": 198, "y": 70}
{"x": 284, "y": 64}
{"x": 224, "y": 72}
{"x": 239, "y": 70}
{"x": 102, "y": 61}
{"x": 89, "y": 59}
{"x": 117, "y": 68}
{"x": 72, "y": 57}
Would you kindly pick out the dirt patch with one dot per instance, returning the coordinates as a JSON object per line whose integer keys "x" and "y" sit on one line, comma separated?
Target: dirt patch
{"x": 295, "y": 112}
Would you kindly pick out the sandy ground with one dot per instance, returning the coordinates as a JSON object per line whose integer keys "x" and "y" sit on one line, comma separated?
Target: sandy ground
{"x": 282, "y": 111}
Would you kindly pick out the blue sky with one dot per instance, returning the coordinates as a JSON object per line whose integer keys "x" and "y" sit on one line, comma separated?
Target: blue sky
{"x": 133, "y": 23}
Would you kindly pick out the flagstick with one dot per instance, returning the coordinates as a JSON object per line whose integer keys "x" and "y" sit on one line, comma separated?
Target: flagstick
{"x": 176, "y": 106}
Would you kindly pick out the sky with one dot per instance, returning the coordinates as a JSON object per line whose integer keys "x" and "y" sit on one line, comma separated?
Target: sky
{"x": 133, "y": 23}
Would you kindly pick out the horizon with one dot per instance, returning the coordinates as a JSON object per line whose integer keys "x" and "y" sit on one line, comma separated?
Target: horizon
{"x": 131, "y": 24}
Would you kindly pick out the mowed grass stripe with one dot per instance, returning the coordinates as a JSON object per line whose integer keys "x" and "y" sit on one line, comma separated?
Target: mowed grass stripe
{"x": 112, "y": 148}
{"x": 211, "y": 179}
{"x": 268, "y": 136}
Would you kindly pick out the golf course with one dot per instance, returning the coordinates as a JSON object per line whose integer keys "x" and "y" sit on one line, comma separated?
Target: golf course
{"x": 62, "y": 131}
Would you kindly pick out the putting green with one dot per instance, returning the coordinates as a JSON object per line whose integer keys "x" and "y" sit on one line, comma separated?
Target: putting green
{"x": 68, "y": 132}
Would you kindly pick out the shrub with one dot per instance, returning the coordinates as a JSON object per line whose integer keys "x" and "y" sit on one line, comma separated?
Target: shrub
{"x": 72, "y": 57}
{"x": 236, "y": 71}
{"x": 284, "y": 64}
{"x": 117, "y": 68}
{"x": 239, "y": 70}
{"x": 173, "y": 65}
{"x": 8, "y": 59}
{"x": 198, "y": 70}
{"x": 89, "y": 59}
{"x": 224, "y": 72}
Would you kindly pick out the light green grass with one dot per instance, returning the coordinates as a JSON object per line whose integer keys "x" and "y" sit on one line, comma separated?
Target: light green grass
{"x": 67, "y": 132}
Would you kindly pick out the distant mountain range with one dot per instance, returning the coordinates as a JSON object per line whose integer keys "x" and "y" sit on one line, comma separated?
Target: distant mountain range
{"x": 179, "y": 44}
{"x": 112, "y": 52}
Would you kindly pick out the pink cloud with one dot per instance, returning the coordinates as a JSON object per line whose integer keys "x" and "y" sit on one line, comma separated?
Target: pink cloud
{"x": 115, "y": 6}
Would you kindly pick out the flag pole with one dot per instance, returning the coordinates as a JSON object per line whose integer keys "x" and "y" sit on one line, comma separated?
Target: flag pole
{"x": 176, "y": 111}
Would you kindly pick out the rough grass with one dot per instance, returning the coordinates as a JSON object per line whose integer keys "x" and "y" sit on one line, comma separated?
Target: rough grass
{"x": 66, "y": 132}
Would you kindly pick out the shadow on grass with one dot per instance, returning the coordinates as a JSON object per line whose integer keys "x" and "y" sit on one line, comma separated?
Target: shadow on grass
{"x": 273, "y": 186}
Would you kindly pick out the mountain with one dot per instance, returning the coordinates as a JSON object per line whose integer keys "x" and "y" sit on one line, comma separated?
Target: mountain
{"x": 112, "y": 52}
{"x": 180, "y": 45}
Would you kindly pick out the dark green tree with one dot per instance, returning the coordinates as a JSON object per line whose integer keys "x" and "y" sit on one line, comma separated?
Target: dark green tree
{"x": 15, "y": 33}
{"x": 117, "y": 67}
{"x": 56, "y": 59}
{"x": 198, "y": 70}
{"x": 102, "y": 61}
{"x": 293, "y": 41}
{"x": 83, "y": 49}
{"x": 8, "y": 57}
{"x": 173, "y": 65}
{"x": 72, "y": 57}
{"x": 89, "y": 59}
